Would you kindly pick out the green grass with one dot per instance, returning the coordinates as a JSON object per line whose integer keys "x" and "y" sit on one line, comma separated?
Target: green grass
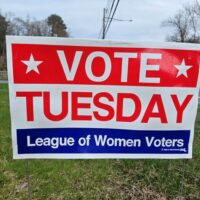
{"x": 95, "y": 179}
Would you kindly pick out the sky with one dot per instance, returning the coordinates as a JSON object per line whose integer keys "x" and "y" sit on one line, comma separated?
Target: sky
{"x": 84, "y": 17}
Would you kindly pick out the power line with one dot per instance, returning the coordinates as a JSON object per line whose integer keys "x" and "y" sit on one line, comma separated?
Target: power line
{"x": 107, "y": 28}
{"x": 108, "y": 9}
{"x": 108, "y": 4}
{"x": 113, "y": 2}
{"x": 107, "y": 23}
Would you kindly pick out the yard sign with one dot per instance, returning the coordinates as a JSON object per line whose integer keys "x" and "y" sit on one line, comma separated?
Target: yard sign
{"x": 72, "y": 98}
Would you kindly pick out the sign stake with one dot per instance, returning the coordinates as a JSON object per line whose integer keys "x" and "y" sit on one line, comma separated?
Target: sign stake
{"x": 28, "y": 180}
{"x": 181, "y": 189}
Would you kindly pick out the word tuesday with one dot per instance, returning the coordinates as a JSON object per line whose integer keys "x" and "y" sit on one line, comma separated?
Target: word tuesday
{"x": 115, "y": 112}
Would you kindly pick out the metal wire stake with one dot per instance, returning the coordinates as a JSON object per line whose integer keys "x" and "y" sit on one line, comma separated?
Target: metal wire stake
{"x": 183, "y": 177}
{"x": 28, "y": 180}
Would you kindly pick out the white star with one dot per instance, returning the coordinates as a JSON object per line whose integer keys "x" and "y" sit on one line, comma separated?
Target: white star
{"x": 182, "y": 69}
{"x": 32, "y": 65}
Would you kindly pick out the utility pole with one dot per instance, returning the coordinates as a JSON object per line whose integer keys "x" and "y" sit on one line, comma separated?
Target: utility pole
{"x": 104, "y": 23}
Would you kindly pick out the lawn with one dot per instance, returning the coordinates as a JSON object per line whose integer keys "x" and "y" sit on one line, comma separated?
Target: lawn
{"x": 95, "y": 179}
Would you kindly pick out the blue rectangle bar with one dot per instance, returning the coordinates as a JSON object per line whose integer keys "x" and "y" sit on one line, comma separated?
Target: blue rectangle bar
{"x": 97, "y": 140}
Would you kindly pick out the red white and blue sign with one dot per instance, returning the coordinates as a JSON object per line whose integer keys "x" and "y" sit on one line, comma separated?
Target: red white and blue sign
{"x": 72, "y": 98}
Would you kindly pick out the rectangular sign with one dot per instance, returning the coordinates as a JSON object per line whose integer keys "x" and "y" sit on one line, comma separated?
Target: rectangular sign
{"x": 72, "y": 98}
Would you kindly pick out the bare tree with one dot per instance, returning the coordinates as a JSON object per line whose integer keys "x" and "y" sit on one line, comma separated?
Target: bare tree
{"x": 185, "y": 24}
{"x": 180, "y": 23}
{"x": 28, "y": 27}
{"x": 38, "y": 28}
